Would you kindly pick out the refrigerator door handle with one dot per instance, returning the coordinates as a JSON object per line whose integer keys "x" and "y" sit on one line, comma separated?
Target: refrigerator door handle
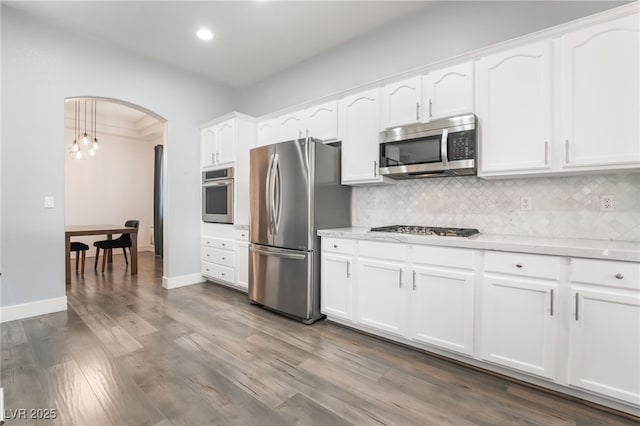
{"x": 268, "y": 195}
{"x": 277, "y": 208}
{"x": 278, "y": 253}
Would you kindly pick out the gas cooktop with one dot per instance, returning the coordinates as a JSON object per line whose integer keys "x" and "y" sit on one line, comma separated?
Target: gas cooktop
{"x": 428, "y": 230}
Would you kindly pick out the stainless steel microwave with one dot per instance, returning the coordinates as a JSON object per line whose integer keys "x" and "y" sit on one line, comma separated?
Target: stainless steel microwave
{"x": 217, "y": 196}
{"x": 445, "y": 147}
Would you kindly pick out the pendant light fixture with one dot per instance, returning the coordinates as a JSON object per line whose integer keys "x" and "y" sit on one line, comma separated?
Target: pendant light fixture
{"x": 88, "y": 141}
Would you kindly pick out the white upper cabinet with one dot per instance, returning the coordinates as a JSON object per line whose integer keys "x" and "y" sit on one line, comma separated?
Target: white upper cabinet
{"x": 600, "y": 85}
{"x": 208, "y": 141}
{"x": 218, "y": 143}
{"x": 267, "y": 132}
{"x": 448, "y": 92}
{"x": 291, "y": 126}
{"x": 360, "y": 134}
{"x": 401, "y": 102}
{"x": 515, "y": 109}
{"x": 226, "y": 147}
{"x": 322, "y": 121}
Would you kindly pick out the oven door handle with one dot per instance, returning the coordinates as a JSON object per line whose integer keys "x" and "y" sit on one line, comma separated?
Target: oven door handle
{"x": 443, "y": 149}
{"x": 208, "y": 184}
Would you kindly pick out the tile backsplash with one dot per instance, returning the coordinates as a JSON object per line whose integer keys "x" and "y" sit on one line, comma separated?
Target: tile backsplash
{"x": 564, "y": 207}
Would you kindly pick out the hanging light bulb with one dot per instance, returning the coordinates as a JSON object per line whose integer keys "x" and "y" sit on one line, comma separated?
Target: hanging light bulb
{"x": 92, "y": 152}
{"x": 85, "y": 136}
{"x": 74, "y": 146}
{"x": 78, "y": 155}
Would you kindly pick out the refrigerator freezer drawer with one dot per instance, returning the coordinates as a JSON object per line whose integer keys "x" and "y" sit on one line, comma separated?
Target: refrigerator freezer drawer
{"x": 281, "y": 279}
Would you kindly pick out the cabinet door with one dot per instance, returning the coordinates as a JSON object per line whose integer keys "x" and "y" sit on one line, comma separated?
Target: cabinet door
{"x": 267, "y": 132}
{"x": 401, "y": 102}
{"x": 604, "y": 349}
{"x": 360, "y": 135}
{"x": 519, "y": 325}
{"x": 291, "y": 126}
{"x": 600, "y": 86}
{"x": 226, "y": 147}
{"x": 442, "y": 308}
{"x": 322, "y": 121}
{"x": 448, "y": 92}
{"x": 381, "y": 295}
{"x": 208, "y": 141}
{"x": 336, "y": 286}
{"x": 242, "y": 264}
{"x": 515, "y": 109}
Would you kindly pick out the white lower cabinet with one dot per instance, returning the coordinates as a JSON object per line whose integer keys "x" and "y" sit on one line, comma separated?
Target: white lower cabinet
{"x": 336, "y": 287}
{"x": 242, "y": 265}
{"x": 442, "y": 308}
{"x": 519, "y": 325}
{"x": 381, "y": 301}
{"x": 218, "y": 259}
{"x": 541, "y": 318}
{"x": 604, "y": 328}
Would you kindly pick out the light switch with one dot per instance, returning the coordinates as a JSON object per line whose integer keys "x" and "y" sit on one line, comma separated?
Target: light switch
{"x": 48, "y": 202}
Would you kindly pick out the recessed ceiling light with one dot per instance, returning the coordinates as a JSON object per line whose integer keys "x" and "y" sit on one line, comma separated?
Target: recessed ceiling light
{"x": 204, "y": 34}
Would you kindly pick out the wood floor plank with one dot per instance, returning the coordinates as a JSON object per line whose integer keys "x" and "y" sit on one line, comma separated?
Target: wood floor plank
{"x": 130, "y": 352}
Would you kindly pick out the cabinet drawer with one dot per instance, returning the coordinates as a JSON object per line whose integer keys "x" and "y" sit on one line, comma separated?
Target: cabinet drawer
{"x": 522, "y": 264}
{"x": 605, "y": 272}
{"x": 221, "y": 257}
{"x": 387, "y": 251}
{"x": 221, "y": 243}
{"x": 337, "y": 245}
{"x": 217, "y": 272}
{"x": 444, "y": 256}
{"x": 242, "y": 234}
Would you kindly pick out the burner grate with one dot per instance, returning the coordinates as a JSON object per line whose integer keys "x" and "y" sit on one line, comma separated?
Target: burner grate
{"x": 428, "y": 230}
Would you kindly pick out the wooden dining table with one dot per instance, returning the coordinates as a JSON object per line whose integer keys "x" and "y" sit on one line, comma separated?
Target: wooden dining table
{"x": 108, "y": 230}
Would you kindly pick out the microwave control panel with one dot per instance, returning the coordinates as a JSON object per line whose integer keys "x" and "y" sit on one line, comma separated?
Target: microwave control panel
{"x": 461, "y": 146}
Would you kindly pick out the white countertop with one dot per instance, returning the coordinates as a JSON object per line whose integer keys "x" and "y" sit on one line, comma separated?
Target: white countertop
{"x": 594, "y": 249}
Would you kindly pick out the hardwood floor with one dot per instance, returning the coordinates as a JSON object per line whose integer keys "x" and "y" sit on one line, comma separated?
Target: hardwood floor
{"x": 128, "y": 352}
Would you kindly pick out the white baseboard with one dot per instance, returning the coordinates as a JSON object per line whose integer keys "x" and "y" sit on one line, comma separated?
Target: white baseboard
{"x": 33, "y": 309}
{"x": 181, "y": 281}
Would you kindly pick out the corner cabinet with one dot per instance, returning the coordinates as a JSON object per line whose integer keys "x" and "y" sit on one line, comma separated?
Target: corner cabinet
{"x": 360, "y": 136}
{"x": 600, "y": 102}
{"x": 515, "y": 109}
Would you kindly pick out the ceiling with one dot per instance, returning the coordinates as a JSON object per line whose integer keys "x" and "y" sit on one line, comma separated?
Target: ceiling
{"x": 253, "y": 39}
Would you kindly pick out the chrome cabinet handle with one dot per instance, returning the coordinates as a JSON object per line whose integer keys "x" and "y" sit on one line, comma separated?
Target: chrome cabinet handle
{"x": 223, "y": 244}
{"x": 222, "y": 273}
{"x": 566, "y": 151}
{"x": 518, "y": 265}
{"x": 348, "y": 268}
{"x": 414, "y": 280}
{"x": 546, "y": 153}
{"x": 375, "y": 168}
{"x": 213, "y": 158}
{"x": 430, "y": 108}
{"x": 223, "y": 258}
{"x": 577, "y": 305}
{"x": 619, "y": 276}
{"x": 335, "y": 246}
{"x": 551, "y": 307}
{"x": 207, "y": 254}
{"x": 400, "y": 278}
{"x": 217, "y": 157}
{"x": 417, "y": 111}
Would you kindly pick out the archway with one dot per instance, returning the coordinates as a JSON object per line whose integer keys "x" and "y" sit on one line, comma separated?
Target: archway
{"x": 123, "y": 179}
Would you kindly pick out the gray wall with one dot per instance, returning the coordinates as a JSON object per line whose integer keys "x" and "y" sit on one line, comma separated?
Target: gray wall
{"x": 41, "y": 66}
{"x": 443, "y": 30}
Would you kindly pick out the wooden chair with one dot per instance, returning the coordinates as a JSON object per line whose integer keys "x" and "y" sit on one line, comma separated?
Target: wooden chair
{"x": 123, "y": 242}
{"x": 81, "y": 251}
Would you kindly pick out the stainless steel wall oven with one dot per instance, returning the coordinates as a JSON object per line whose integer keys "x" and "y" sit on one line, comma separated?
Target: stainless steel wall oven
{"x": 217, "y": 195}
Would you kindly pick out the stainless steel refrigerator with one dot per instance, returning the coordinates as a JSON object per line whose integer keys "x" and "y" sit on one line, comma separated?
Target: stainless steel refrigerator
{"x": 295, "y": 190}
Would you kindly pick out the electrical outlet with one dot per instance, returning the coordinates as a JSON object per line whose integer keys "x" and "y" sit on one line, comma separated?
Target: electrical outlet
{"x": 607, "y": 203}
{"x": 525, "y": 203}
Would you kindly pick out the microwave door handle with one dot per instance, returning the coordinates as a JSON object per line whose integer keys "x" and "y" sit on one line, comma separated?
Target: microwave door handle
{"x": 443, "y": 149}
